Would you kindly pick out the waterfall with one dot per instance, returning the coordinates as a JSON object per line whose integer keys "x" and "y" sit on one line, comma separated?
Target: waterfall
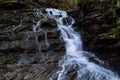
{"x": 36, "y": 30}
{"x": 75, "y": 59}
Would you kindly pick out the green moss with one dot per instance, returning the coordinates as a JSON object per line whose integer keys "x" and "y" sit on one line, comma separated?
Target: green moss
{"x": 118, "y": 3}
{"x": 74, "y": 2}
{"x": 28, "y": 6}
{"x": 114, "y": 30}
{"x": 117, "y": 28}
{"x": 118, "y": 22}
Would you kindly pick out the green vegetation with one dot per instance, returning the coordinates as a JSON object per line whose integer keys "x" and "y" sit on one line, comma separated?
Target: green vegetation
{"x": 117, "y": 29}
{"x": 118, "y": 3}
{"x": 115, "y": 4}
{"x": 74, "y": 2}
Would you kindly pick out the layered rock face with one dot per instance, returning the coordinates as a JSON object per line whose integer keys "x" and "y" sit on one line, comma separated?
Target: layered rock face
{"x": 99, "y": 29}
{"x": 17, "y": 39}
{"x": 20, "y": 51}
{"x": 59, "y": 4}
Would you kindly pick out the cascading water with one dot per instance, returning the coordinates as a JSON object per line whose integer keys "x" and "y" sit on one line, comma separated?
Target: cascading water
{"x": 75, "y": 59}
{"x": 36, "y": 29}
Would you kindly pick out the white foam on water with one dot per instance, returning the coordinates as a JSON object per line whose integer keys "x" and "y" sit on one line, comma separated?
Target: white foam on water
{"x": 75, "y": 58}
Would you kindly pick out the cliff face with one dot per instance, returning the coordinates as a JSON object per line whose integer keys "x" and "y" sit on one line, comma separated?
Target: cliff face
{"x": 99, "y": 26}
{"x": 19, "y": 49}
{"x": 17, "y": 45}
{"x": 60, "y": 4}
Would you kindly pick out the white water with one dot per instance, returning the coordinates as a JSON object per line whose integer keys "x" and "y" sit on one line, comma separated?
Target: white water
{"x": 75, "y": 58}
{"x": 36, "y": 29}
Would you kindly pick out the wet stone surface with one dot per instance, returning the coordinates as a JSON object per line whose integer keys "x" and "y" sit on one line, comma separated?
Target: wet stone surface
{"x": 20, "y": 57}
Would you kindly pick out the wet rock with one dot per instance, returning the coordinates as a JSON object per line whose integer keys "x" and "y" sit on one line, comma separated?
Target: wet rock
{"x": 12, "y": 5}
{"x": 42, "y": 70}
{"x": 72, "y": 74}
{"x": 19, "y": 52}
{"x": 95, "y": 25}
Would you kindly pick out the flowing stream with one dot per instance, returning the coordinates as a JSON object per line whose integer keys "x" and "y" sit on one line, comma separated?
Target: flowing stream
{"x": 75, "y": 60}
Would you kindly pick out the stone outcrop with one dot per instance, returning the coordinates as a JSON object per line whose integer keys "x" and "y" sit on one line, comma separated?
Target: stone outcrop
{"x": 20, "y": 57}
{"x": 99, "y": 31}
{"x": 93, "y": 22}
